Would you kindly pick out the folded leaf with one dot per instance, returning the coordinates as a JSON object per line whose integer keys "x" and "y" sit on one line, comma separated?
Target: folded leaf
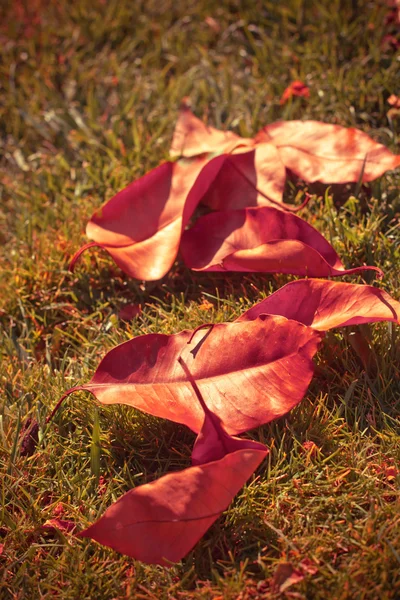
{"x": 141, "y": 226}
{"x": 248, "y": 373}
{"x": 160, "y": 522}
{"x": 249, "y": 176}
{"x": 325, "y": 304}
{"x": 261, "y": 240}
{"x": 254, "y": 177}
{"x": 318, "y": 151}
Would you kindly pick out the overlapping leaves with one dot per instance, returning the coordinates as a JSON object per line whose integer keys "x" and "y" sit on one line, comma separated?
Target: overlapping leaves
{"x": 141, "y": 227}
{"x": 224, "y": 379}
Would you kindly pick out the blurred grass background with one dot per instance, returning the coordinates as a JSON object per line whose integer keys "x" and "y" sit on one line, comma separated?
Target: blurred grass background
{"x": 88, "y": 100}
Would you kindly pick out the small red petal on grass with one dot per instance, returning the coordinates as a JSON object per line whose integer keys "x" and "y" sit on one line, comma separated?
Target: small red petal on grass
{"x": 1, "y": 549}
{"x": 325, "y": 304}
{"x": 310, "y": 447}
{"x": 296, "y": 88}
{"x": 245, "y": 381}
{"x": 308, "y": 567}
{"x": 59, "y": 510}
{"x": 261, "y": 239}
{"x": 394, "y": 101}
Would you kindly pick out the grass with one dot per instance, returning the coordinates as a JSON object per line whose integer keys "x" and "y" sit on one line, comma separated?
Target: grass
{"x": 89, "y": 96}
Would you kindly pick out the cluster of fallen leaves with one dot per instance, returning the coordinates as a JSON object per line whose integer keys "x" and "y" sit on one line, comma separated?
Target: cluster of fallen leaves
{"x": 224, "y": 379}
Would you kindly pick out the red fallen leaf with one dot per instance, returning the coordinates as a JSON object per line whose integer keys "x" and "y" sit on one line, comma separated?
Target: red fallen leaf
{"x": 29, "y": 437}
{"x": 296, "y": 88}
{"x": 318, "y": 151}
{"x": 262, "y": 239}
{"x": 212, "y": 442}
{"x": 1, "y": 549}
{"x": 160, "y": 522}
{"x": 315, "y": 151}
{"x": 242, "y": 379}
{"x": 141, "y": 226}
{"x": 325, "y": 304}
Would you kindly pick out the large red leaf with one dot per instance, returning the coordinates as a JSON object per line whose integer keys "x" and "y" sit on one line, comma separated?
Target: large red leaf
{"x": 248, "y": 373}
{"x": 261, "y": 239}
{"x": 318, "y": 151}
{"x": 160, "y": 522}
{"x": 325, "y": 304}
{"x": 141, "y": 226}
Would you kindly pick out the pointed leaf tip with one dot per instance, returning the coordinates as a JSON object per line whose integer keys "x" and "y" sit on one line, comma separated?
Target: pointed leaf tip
{"x": 323, "y": 304}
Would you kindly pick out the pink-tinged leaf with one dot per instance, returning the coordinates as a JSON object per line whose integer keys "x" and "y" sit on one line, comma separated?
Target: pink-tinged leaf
{"x": 160, "y": 522}
{"x": 325, "y": 304}
{"x": 296, "y": 88}
{"x": 193, "y": 137}
{"x": 261, "y": 240}
{"x": 141, "y": 226}
{"x": 318, "y": 151}
{"x": 248, "y": 373}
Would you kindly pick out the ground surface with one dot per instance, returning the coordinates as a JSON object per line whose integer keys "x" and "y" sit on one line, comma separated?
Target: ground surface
{"x": 89, "y": 96}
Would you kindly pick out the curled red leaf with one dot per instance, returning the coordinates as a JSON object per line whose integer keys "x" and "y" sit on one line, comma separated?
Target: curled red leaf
{"x": 141, "y": 226}
{"x": 261, "y": 239}
{"x": 325, "y": 304}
